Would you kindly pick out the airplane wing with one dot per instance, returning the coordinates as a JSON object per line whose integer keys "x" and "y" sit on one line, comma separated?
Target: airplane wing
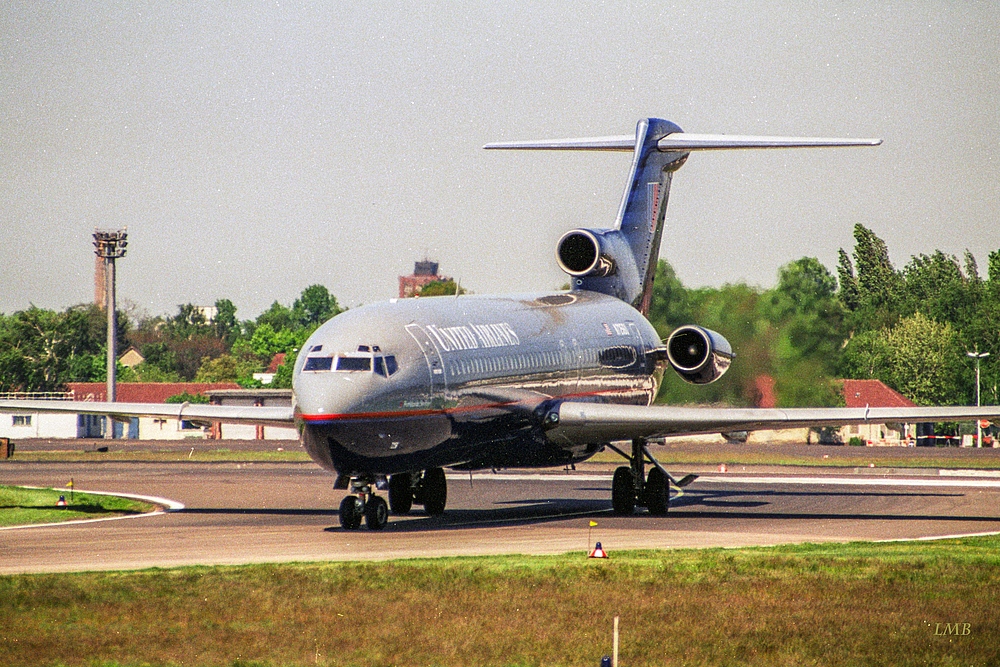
{"x": 592, "y": 423}
{"x": 231, "y": 414}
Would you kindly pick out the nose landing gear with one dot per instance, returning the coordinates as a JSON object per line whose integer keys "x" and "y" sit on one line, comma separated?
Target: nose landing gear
{"x": 363, "y": 503}
{"x": 429, "y": 489}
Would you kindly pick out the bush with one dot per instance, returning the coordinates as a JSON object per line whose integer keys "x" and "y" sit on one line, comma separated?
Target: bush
{"x": 855, "y": 441}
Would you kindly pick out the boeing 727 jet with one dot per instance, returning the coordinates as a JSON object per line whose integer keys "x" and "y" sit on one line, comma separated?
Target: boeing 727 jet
{"x": 388, "y": 395}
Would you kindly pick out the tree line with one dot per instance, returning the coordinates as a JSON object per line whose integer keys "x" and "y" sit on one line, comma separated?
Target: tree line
{"x": 42, "y": 350}
{"x": 910, "y": 328}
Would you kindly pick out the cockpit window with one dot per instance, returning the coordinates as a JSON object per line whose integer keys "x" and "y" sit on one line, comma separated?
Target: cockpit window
{"x": 354, "y": 363}
{"x": 318, "y": 364}
{"x": 385, "y": 366}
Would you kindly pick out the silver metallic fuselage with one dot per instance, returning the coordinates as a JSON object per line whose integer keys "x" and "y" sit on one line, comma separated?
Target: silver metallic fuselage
{"x": 464, "y": 382}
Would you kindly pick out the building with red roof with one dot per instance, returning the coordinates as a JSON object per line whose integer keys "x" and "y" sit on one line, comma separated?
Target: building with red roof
{"x": 875, "y": 394}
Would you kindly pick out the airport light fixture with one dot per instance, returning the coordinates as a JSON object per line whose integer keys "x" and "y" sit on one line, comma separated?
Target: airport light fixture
{"x": 110, "y": 245}
{"x": 977, "y": 355}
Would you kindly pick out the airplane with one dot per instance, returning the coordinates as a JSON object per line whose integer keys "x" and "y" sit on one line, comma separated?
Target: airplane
{"x": 390, "y": 394}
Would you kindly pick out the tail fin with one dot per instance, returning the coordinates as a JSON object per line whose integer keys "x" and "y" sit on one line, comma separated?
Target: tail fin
{"x": 660, "y": 148}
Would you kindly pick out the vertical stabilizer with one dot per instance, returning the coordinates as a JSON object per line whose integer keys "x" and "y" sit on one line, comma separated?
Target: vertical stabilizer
{"x": 644, "y": 203}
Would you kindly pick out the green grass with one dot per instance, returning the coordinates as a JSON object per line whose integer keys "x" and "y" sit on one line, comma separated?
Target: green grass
{"x": 831, "y": 605}
{"x": 20, "y": 506}
{"x": 165, "y": 456}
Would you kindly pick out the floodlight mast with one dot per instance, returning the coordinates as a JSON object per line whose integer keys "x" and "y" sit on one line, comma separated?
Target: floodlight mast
{"x": 110, "y": 245}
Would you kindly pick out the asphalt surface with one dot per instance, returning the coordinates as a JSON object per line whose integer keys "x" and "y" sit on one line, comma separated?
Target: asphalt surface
{"x": 280, "y": 512}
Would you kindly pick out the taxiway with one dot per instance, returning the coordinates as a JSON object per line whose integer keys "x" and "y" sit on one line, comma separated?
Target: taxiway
{"x": 279, "y": 512}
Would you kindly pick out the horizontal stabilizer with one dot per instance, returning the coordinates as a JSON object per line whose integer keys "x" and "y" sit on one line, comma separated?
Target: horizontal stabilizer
{"x": 682, "y": 142}
{"x": 624, "y": 142}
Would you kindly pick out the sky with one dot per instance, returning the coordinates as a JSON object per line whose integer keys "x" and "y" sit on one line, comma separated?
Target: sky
{"x": 253, "y": 149}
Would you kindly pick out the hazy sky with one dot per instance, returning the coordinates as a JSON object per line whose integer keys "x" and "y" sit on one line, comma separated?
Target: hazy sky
{"x": 253, "y": 149}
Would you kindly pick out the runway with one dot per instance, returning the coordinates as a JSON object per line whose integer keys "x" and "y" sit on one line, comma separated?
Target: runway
{"x": 280, "y": 512}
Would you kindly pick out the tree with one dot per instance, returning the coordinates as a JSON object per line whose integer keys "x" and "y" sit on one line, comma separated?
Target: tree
{"x": 670, "y": 304}
{"x": 228, "y": 368}
{"x": 848, "y": 293}
{"x": 41, "y": 350}
{"x": 808, "y": 333}
{"x": 927, "y": 363}
{"x": 878, "y": 284}
{"x": 314, "y": 306}
{"x": 920, "y": 358}
{"x": 441, "y": 288}
{"x": 227, "y": 327}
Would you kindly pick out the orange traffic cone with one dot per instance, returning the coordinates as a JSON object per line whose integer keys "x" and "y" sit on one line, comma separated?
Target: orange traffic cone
{"x": 722, "y": 467}
{"x": 598, "y": 552}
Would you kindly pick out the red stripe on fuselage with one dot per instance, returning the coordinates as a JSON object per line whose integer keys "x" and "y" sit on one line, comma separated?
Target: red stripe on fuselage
{"x": 398, "y": 414}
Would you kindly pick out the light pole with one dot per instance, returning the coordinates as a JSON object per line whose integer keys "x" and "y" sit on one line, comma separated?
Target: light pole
{"x": 977, "y": 355}
{"x": 110, "y": 245}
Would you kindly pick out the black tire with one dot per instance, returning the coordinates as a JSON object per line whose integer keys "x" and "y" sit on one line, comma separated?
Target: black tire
{"x": 351, "y": 511}
{"x": 435, "y": 491}
{"x": 400, "y": 493}
{"x": 376, "y": 513}
{"x": 623, "y": 492}
{"x": 657, "y": 493}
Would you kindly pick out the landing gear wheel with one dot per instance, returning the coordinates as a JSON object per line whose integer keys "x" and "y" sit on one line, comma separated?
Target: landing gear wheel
{"x": 351, "y": 511}
{"x": 400, "y": 493}
{"x": 376, "y": 513}
{"x": 657, "y": 493}
{"x": 623, "y": 491}
{"x": 434, "y": 491}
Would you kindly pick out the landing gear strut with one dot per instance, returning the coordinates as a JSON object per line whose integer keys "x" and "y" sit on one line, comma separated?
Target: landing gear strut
{"x": 429, "y": 489}
{"x": 630, "y": 485}
{"x": 363, "y": 503}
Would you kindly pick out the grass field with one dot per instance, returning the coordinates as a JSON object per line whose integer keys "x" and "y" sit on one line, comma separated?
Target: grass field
{"x": 20, "y": 506}
{"x": 152, "y": 454}
{"x": 831, "y": 605}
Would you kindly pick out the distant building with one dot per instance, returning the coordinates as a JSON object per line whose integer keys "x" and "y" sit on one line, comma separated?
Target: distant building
{"x": 875, "y": 394}
{"x": 208, "y": 312}
{"x": 131, "y": 358}
{"x": 248, "y": 397}
{"x": 142, "y": 428}
{"x": 26, "y": 425}
{"x": 423, "y": 273}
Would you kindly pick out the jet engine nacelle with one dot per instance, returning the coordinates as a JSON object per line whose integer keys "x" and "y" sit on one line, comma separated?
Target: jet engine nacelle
{"x": 593, "y": 253}
{"x": 699, "y": 355}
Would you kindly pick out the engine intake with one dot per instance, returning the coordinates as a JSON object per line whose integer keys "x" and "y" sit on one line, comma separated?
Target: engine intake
{"x": 699, "y": 355}
{"x": 579, "y": 253}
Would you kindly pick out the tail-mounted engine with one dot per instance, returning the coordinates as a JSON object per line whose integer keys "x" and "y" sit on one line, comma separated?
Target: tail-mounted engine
{"x": 699, "y": 355}
{"x": 598, "y": 255}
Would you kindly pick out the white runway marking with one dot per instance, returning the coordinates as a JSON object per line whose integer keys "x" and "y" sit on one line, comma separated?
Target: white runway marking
{"x": 856, "y": 481}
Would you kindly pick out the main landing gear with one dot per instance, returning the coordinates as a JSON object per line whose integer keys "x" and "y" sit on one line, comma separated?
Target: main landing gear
{"x": 429, "y": 489}
{"x": 630, "y": 486}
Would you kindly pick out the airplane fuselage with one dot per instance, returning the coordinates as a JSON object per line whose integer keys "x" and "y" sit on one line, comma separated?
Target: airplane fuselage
{"x": 462, "y": 382}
